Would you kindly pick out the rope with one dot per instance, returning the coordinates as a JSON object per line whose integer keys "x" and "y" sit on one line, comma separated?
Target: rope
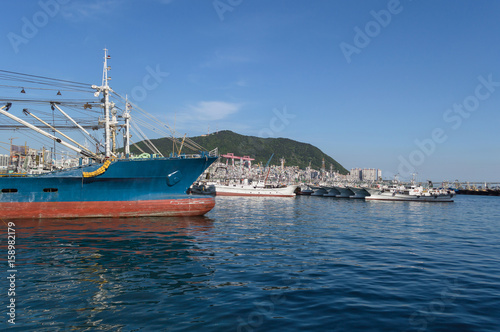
{"x": 98, "y": 171}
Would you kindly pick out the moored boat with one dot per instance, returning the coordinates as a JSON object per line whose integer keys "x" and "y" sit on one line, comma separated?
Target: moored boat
{"x": 332, "y": 192}
{"x": 303, "y": 190}
{"x": 345, "y": 192}
{"x": 411, "y": 193}
{"x": 358, "y": 192}
{"x": 259, "y": 189}
{"x": 202, "y": 188}
{"x": 318, "y": 191}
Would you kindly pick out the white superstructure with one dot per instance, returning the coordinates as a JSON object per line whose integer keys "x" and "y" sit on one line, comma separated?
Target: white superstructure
{"x": 259, "y": 189}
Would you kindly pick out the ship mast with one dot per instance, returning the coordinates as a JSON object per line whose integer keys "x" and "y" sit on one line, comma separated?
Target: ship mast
{"x": 105, "y": 92}
{"x": 126, "y": 116}
{"x": 105, "y": 89}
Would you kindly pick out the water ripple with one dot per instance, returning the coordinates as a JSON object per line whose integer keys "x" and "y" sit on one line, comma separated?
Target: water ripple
{"x": 263, "y": 264}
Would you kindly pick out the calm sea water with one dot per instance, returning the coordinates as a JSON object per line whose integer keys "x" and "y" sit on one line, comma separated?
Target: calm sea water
{"x": 265, "y": 264}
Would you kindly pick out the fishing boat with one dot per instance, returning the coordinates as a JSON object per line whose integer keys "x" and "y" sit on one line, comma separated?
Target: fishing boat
{"x": 304, "y": 190}
{"x": 111, "y": 184}
{"x": 358, "y": 192}
{"x": 202, "y": 188}
{"x": 318, "y": 190}
{"x": 411, "y": 193}
{"x": 245, "y": 188}
{"x": 345, "y": 192}
{"x": 240, "y": 181}
{"x": 332, "y": 192}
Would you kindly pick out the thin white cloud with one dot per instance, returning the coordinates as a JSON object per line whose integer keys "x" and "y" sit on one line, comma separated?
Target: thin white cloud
{"x": 235, "y": 84}
{"x": 82, "y": 10}
{"x": 241, "y": 83}
{"x": 92, "y": 9}
{"x": 205, "y": 115}
{"x": 212, "y": 110}
{"x": 223, "y": 58}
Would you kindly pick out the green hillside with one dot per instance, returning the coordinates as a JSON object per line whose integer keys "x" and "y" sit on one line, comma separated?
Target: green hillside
{"x": 295, "y": 153}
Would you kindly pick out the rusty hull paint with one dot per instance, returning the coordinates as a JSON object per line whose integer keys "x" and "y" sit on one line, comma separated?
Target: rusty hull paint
{"x": 151, "y": 208}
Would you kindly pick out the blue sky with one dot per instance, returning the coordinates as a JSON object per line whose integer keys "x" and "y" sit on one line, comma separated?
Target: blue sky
{"x": 398, "y": 85}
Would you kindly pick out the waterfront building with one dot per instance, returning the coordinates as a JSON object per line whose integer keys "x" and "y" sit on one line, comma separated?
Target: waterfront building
{"x": 365, "y": 174}
{"x": 4, "y": 161}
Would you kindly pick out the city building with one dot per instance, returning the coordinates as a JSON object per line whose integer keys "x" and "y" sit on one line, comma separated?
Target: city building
{"x": 4, "y": 161}
{"x": 365, "y": 174}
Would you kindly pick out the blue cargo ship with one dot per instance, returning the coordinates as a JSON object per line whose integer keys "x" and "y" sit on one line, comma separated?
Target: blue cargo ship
{"x": 108, "y": 186}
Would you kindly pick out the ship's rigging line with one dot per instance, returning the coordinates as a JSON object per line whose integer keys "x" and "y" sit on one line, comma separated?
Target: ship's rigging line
{"x": 43, "y": 139}
{"x": 36, "y": 88}
{"x": 146, "y": 140}
{"x": 63, "y": 102}
{"x": 49, "y": 83}
{"x": 13, "y": 126}
{"x": 43, "y": 80}
{"x": 137, "y": 146}
{"x": 39, "y": 138}
{"x": 144, "y": 123}
{"x": 46, "y": 141}
{"x": 58, "y": 125}
{"x": 60, "y": 133}
{"x": 135, "y": 128}
{"x": 164, "y": 133}
{"x": 60, "y": 85}
{"x": 76, "y": 124}
{"x": 188, "y": 142}
{"x": 4, "y": 110}
{"x": 59, "y": 120}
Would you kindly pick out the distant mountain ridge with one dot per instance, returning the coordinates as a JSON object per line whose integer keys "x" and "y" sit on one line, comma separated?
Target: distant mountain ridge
{"x": 295, "y": 153}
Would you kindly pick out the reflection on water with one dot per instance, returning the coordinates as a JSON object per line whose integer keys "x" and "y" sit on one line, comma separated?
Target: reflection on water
{"x": 266, "y": 264}
{"x": 89, "y": 270}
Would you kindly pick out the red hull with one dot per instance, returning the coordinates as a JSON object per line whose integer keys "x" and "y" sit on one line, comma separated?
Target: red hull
{"x": 157, "y": 208}
{"x": 250, "y": 195}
